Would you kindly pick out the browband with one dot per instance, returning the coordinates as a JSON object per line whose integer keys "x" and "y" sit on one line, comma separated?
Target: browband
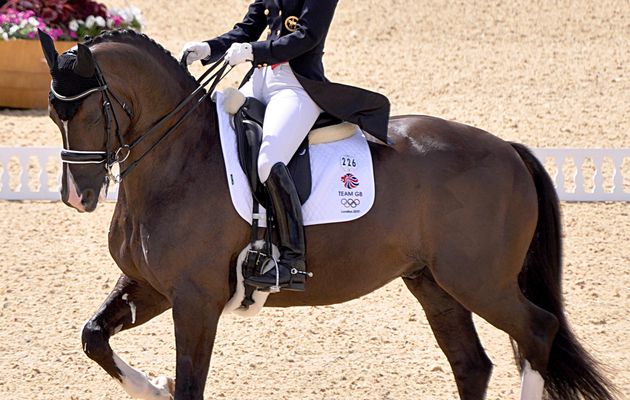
{"x": 78, "y": 96}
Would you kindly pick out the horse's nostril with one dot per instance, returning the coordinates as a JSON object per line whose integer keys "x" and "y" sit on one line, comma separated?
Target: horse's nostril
{"x": 87, "y": 197}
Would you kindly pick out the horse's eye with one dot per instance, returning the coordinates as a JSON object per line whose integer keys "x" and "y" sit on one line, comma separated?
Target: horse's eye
{"x": 95, "y": 118}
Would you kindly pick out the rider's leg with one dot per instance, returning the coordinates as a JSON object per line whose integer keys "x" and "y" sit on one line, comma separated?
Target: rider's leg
{"x": 288, "y": 216}
{"x": 290, "y": 115}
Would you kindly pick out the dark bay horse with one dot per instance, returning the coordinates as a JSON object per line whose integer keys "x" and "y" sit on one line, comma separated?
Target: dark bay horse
{"x": 470, "y": 222}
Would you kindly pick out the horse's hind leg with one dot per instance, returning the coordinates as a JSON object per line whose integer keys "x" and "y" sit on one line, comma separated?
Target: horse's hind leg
{"x": 455, "y": 332}
{"x": 498, "y": 299}
{"x": 130, "y": 304}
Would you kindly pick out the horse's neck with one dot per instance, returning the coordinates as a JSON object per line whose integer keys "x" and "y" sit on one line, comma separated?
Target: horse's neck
{"x": 186, "y": 158}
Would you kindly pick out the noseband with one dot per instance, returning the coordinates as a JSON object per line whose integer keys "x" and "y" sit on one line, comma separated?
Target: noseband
{"x": 107, "y": 157}
{"x": 110, "y": 157}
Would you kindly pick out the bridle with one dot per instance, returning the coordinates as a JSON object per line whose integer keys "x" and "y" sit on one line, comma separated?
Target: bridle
{"x": 110, "y": 157}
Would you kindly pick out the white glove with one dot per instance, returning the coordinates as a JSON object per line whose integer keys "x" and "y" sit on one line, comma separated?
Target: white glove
{"x": 196, "y": 51}
{"x": 238, "y": 53}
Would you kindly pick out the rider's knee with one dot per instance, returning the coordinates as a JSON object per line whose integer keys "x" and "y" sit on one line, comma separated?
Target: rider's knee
{"x": 264, "y": 167}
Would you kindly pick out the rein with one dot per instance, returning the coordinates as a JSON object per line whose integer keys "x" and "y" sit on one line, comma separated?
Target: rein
{"x": 109, "y": 157}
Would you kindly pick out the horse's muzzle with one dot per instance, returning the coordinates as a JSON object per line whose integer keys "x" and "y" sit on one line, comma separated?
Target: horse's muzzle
{"x": 83, "y": 200}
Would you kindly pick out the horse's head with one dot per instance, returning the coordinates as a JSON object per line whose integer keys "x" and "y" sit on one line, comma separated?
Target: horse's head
{"x": 81, "y": 107}
{"x": 106, "y": 96}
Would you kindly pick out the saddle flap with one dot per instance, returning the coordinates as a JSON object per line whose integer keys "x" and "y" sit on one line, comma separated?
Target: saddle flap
{"x": 300, "y": 170}
{"x": 249, "y": 139}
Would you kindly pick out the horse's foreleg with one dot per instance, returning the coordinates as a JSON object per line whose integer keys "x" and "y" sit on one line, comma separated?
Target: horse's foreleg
{"x": 130, "y": 304}
{"x": 455, "y": 333}
{"x": 196, "y": 316}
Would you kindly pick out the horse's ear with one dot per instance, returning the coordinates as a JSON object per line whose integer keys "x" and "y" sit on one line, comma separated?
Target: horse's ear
{"x": 84, "y": 66}
{"x": 48, "y": 47}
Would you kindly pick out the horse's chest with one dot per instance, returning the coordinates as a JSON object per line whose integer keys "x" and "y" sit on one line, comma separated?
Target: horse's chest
{"x": 130, "y": 246}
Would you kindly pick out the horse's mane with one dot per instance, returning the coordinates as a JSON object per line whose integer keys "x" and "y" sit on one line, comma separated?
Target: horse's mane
{"x": 142, "y": 40}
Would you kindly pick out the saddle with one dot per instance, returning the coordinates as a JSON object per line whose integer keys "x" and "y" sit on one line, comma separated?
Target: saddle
{"x": 248, "y": 117}
{"x": 249, "y": 114}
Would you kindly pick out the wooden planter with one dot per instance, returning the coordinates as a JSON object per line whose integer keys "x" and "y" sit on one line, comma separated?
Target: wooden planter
{"x": 24, "y": 76}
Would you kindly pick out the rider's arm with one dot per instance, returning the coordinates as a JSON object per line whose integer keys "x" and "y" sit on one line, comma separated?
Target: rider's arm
{"x": 312, "y": 27}
{"x": 247, "y": 30}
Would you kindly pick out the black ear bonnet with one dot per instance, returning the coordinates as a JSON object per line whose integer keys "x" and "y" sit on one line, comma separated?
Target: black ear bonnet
{"x": 73, "y": 73}
{"x": 68, "y": 83}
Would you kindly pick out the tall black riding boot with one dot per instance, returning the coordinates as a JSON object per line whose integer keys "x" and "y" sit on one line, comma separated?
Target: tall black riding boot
{"x": 288, "y": 212}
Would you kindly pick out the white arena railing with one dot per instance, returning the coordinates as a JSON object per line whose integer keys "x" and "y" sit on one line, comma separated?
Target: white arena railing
{"x": 34, "y": 173}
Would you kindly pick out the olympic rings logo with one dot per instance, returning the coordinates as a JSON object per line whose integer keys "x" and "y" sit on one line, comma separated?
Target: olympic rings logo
{"x": 350, "y": 203}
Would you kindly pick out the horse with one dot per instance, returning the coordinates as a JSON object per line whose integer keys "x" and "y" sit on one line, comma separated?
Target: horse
{"x": 470, "y": 222}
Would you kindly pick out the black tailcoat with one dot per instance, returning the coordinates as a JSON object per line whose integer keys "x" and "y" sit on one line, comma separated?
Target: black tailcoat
{"x": 296, "y": 32}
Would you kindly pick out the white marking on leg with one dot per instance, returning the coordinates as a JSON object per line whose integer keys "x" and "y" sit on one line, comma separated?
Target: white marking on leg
{"x": 136, "y": 383}
{"x": 133, "y": 312}
{"x": 532, "y": 385}
{"x": 81, "y": 335}
{"x": 131, "y": 306}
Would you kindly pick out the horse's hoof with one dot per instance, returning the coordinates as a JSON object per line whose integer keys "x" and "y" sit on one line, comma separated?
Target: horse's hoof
{"x": 166, "y": 386}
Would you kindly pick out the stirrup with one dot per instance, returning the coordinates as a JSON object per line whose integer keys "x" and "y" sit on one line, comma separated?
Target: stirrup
{"x": 292, "y": 284}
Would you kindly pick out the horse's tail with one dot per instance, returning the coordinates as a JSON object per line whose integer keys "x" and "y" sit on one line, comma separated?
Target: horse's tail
{"x": 571, "y": 371}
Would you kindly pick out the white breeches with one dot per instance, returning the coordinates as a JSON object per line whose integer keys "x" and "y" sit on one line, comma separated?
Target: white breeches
{"x": 289, "y": 117}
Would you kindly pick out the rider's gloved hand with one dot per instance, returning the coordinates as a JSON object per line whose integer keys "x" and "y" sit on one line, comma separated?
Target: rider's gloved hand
{"x": 238, "y": 53}
{"x": 196, "y": 51}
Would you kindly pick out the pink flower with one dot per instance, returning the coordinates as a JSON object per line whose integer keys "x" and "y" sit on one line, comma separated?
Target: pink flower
{"x": 55, "y": 33}
{"x": 55, "y": 16}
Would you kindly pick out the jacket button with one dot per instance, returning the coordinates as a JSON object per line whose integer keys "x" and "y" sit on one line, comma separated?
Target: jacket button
{"x": 280, "y": 13}
{"x": 266, "y": 11}
{"x": 279, "y": 33}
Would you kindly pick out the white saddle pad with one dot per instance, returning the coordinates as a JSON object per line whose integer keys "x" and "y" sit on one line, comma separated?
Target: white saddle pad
{"x": 343, "y": 178}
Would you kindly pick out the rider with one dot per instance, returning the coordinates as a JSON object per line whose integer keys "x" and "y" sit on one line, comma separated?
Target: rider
{"x": 288, "y": 76}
